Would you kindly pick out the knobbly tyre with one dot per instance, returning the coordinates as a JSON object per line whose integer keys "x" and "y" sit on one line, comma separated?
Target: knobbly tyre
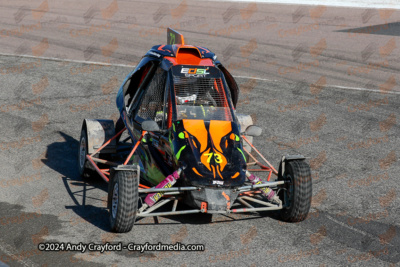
{"x": 179, "y": 138}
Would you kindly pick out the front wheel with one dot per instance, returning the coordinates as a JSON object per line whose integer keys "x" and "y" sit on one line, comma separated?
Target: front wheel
{"x": 297, "y": 191}
{"x": 123, "y": 196}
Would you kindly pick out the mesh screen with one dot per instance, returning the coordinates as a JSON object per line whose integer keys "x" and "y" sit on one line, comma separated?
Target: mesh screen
{"x": 201, "y": 98}
{"x": 199, "y": 91}
{"x": 154, "y": 97}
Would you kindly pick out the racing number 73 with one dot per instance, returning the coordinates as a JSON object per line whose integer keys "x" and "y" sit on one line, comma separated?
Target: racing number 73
{"x": 217, "y": 157}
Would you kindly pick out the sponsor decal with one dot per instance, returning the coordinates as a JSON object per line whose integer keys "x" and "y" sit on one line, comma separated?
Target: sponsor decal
{"x": 157, "y": 196}
{"x": 195, "y": 72}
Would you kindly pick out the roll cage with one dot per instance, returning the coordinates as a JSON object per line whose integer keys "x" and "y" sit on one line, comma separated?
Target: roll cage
{"x": 164, "y": 57}
{"x": 151, "y": 92}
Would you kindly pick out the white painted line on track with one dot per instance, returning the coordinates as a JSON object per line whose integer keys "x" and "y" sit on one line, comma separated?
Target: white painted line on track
{"x": 69, "y": 60}
{"x": 236, "y": 76}
{"x": 255, "y": 78}
{"x": 363, "y": 89}
{"x": 350, "y": 227}
{"x": 376, "y": 238}
{"x": 328, "y": 85}
{"x": 393, "y": 4}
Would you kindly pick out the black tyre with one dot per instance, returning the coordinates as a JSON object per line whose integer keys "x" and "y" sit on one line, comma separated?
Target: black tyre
{"x": 123, "y": 197}
{"x": 85, "y": 170}
{"x": 297, "y": 192}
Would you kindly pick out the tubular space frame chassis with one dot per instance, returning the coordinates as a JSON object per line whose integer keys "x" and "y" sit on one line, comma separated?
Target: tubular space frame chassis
{"x": 247, "y": 193}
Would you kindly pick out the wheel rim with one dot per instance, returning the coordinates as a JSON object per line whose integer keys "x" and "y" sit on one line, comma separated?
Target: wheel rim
{"x": 114, "y": 206}
{"x": 82, "y": 152}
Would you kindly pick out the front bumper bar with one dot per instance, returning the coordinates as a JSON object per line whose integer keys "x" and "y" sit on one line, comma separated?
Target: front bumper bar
{"x": 245, "y": 202}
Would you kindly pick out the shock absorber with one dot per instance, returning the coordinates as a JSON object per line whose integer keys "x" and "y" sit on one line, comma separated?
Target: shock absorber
{"x": 265, "y": 191}
{"x": 168, "y": 182}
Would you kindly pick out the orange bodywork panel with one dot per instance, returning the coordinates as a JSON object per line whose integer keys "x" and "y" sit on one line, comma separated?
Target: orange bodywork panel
{"x": 235, "y": 175}
{"x": 196, "y": 172}
{"x": 200, "y": 62}
{"x": 219, "y": 129}
{"x": 198, "y": 130}
{"x": 188, "y": 55}
{"x": 204, "y": 160}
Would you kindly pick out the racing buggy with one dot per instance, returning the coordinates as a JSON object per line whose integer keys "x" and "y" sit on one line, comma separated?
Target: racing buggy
{"x": 179, "y": 139}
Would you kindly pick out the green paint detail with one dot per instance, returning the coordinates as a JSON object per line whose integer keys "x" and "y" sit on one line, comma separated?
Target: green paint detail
{"x": 181, "y": 135}
{"x": 154, "y": 175}
{"x": 179, "y": 152}
{"x": 170, "y": 141}
{"x": 204, "y": 112}
{"x": 173, "y": 127}
{"x": 134, "y": 159}
{"x": 172, "y": 38}
{"x": 242, "y": 154}
{"x": 237, "y": 138}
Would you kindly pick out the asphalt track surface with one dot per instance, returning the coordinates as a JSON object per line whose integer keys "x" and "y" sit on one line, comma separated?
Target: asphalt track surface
{"x": 320, "y": 81}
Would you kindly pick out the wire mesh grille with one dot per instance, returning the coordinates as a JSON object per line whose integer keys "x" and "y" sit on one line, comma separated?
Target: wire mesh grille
{"x": 201, "y": 98}
{"x": 154, "y": 97}
{"x": 199, "y": 91}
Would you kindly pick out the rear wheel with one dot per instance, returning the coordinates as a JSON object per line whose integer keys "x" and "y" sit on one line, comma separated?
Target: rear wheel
{"x": 123, "y": 196}
{"x": 83, "y": 164}
{"x": 297, "y": 192}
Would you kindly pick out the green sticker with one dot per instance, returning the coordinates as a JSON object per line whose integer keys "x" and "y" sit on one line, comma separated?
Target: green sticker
{"x": 237, "y": 138}
{"x": 172, "y": 36}
{"x": 242, "y": 154}
{"x": 179, "y": 152}
{"x": 181, "y": 135}
{"x": 204, "y": 112}
{"x": 170, "y": 141}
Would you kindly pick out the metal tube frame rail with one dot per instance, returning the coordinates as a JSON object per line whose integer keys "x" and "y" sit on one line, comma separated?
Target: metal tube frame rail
{"x": 263, "y": 168}
{"x": 171, "y": 189}
{"x": 251, "y": 187}
{"x": 106, "y": 172}
{"x": 242, "y": 199}
{"x": 178, "y": 190}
